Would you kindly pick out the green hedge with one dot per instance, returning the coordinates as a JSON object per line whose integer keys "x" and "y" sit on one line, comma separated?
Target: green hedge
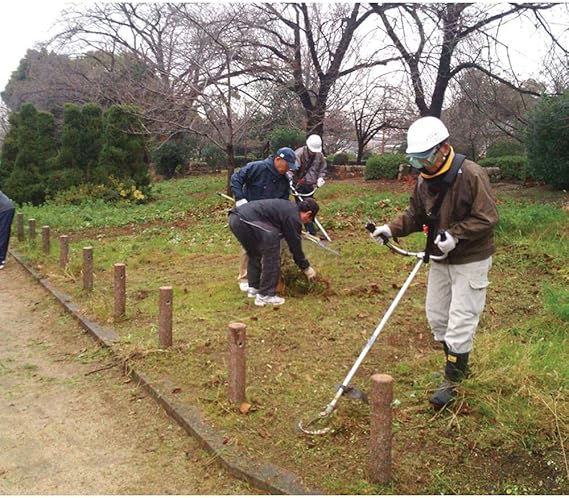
{"x": 383, "y": 166}
{"x": 547, "y": 140}
{"x": 341, "y": 158}
{"x": 511, "y": 167}
{"x": 501, "y": 148}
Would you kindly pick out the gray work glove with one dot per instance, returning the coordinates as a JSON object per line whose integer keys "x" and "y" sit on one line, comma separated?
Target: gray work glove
{"x": 382, "y": 230}
{"x": 446, "y": 245}
{"x": 320, "y": 182}
{"x": 310, "y": 273}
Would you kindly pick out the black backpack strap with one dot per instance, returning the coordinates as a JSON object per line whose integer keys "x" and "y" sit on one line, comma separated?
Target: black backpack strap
{"x": 433, "y": 214}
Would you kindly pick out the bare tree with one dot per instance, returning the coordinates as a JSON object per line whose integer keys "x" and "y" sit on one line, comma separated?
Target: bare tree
{"x": 169, "y": 63}
{"x": 308, "y": 48}
{"x": 439, "y": 41}
{"x": 375, "y": 106}
{"x": 484, "y": 110}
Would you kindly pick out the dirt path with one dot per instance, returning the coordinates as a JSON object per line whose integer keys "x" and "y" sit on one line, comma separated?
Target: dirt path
{"x": 65, "y": 429}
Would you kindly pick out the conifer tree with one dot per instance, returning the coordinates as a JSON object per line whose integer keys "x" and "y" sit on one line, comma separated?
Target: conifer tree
{"x": 9, "y": 149}
{"x": 26, "y": 182}
{"x": 123, "y": 153}
{"x": 90, "y": 139}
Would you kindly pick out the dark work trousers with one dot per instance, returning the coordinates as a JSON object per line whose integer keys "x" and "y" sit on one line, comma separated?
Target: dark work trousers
{"x": 6, "y": 218}
{"x": 305, "y": 189}
{"x": 263, "y": 248}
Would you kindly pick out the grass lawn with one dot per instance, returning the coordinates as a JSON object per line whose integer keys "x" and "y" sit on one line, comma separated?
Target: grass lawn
{"x": 508, "y": 432}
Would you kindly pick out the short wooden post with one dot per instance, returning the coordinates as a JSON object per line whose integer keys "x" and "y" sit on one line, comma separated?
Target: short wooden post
{"x": 63, "y": 251}
{"x": 236, "y": 339}
{"x": 20, "y": 226}
{"x": 381, "y": 396}
{"x": 45, "y": 238}
{"x": 165, "y": 317}
{"x": 88, "y": 268}
{"x": 32, "y": 230}
{"x": 120, "y": 290}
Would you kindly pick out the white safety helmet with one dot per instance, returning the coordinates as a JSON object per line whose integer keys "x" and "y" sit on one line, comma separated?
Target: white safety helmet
{"x": 314, "y": 143}
{"x": 424, "y": 134}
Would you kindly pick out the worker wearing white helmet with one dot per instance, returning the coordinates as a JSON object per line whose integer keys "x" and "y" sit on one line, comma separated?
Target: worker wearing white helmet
{"x": 453, "y": 198}
{"x": 312, "y": 169}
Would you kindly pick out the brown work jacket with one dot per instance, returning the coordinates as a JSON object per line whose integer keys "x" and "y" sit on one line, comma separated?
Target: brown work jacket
{"x": 468, "y": 213}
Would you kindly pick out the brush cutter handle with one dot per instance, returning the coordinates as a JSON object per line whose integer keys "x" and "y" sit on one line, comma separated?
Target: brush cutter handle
{"x": 370, "y": 226}
{"x": 296, "y": 193}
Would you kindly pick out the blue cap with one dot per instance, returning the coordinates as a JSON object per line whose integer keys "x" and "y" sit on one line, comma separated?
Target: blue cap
{"x": 288, "y": 155}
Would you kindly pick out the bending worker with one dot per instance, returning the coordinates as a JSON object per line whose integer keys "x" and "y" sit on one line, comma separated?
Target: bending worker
{"x": 311, "y": 170}
{"x": 454, "y": 199}
{"x": 259, "y": 227}
{"x": 261, "y": 180}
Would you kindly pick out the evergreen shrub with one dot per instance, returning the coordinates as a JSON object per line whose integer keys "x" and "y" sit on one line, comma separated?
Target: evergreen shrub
{"x": 286, "y": 137}
{"x": 511, "y": 167}
{"x": 501, "y": 148}
{"x": 547, "y": 140}
{"x": 341, "y": 158}
{"x": 383, "y": 166}
{"x": 170, "y": 158}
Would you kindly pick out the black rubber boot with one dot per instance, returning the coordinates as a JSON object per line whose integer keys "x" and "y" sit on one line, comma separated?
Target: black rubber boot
{"x": 455, "y": 371}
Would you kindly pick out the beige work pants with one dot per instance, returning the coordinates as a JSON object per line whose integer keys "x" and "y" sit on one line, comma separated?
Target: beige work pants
{"x": 456, "y": 295}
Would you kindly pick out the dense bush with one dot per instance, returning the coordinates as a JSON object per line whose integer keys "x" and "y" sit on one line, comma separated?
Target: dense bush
{"x": 383, "y": 166}
{"x": 511, "y": 167}
{"x": 9, "y": 149}
{"x": 286, "y": 137}
{"x": 170, "y": 158}
{"x": 214, "y": 156}
{"x": 502, "y": 148}
{"x": 547, "y": 141}
{"x": 341, "y": 158}
{"x": 35, "y": 147}
{"x": 123, "y": 151}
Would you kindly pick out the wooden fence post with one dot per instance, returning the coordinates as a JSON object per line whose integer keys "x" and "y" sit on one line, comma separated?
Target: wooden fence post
{"x": 63, "y": 251}
{"x": 165, "y": 317}
{"x": 20, "y": 226}
{"x": 237, "y": 339}
{"x": 88, "y": 268}
{"x": 45, "y": 237}
{"x": 381, "y": 396}
{"x": 120, "y": 290}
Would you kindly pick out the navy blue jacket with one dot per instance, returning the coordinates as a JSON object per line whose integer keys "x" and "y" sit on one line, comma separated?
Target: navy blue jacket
{"x": 259, "y": 180}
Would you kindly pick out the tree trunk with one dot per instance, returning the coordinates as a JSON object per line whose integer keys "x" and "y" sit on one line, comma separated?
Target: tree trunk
{"x": 230, "y": 166}
{"x": 361, "y": 147}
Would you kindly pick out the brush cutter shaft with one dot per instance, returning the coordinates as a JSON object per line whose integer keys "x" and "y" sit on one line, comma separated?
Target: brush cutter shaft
{"x": 372, "y": 339}
{"x": 310, "y": 194}
{"x": 322, "y": 230}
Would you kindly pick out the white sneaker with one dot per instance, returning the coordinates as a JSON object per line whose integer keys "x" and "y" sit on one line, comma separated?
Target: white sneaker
{"x": 270, "y": 300}
{"x": 243, "y": 285}
{"x": 252, "y": 292}
{"x": 1, "y": 266}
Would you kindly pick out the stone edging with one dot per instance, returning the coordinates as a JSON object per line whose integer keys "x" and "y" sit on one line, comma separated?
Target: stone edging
{"x": 263, "y": 476}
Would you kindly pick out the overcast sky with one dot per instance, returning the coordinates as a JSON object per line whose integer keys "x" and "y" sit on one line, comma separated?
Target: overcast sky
{"x": 22, "y": 24}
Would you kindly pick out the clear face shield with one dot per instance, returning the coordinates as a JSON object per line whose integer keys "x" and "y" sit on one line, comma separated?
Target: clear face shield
{"x": 422, "y": 161}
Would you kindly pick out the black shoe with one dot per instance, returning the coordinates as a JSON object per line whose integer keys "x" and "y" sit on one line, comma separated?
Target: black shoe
{"x": 444, "y": 395}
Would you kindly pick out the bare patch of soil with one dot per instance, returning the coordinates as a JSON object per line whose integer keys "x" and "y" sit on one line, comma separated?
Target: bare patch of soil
{"x": 70, "y": 423}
